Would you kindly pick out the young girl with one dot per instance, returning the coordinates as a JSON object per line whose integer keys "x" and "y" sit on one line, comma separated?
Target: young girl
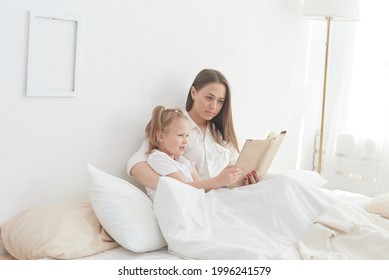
{"x": 167, "y": 133}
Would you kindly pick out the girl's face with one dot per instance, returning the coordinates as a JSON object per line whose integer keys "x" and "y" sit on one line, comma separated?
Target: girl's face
{"x": 208, "y": 101}
{"x": 174, "y": 138}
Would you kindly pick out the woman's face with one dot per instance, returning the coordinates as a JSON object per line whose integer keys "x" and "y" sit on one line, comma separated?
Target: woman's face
{"x": 208, "y": 101}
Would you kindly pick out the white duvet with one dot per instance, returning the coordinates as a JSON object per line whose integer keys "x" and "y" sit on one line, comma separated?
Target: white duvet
{"x": 252, "y": 222}
{"x": 343, "y": 232}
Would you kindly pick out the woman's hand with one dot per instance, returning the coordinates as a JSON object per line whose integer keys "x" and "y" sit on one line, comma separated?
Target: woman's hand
{"x": 229, "y": 175}
{"x": 251, "y": 178}
{"x": 144, "y": 174}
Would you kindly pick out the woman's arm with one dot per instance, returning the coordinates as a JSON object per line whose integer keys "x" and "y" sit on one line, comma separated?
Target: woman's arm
{"x": 144, "y": 174}
{"x": 138, "y": 168}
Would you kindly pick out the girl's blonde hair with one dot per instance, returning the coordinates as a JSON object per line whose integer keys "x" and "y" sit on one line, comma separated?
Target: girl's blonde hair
{"x": 161, "y": 117}
{"x": 223, "y": 127}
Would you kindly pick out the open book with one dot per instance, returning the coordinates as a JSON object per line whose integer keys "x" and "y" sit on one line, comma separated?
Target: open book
{"x": 258, "y": 155}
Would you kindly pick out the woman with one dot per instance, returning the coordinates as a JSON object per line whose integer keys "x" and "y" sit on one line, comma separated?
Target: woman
{"x": 213, "y": 144}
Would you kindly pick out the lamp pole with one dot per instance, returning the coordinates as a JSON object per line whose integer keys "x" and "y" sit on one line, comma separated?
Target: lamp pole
{"x": 323, "y": 108}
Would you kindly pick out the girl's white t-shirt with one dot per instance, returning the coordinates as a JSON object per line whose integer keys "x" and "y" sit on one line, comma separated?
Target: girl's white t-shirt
{"x": 165, "y": 165}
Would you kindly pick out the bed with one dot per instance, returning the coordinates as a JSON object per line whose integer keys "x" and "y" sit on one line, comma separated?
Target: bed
{"x": 285, "y": 216}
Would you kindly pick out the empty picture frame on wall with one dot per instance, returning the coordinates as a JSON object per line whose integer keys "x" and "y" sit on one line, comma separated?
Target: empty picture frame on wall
{"x": 53, "y": 55}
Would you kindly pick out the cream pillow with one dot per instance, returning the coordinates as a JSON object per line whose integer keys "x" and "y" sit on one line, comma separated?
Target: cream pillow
{"x": 125, "y": 212}
{"x": 379, "y": 205}
{"x": 65, "y": 230}
{"x": 3, "y": 251}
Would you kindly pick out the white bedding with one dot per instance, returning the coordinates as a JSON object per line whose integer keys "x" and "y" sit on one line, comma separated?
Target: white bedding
{"x": 253, "y": 222}
{"x": 283, "y": 217}
{"x": 343, "y": 232}
{"x": 280, "y": 218}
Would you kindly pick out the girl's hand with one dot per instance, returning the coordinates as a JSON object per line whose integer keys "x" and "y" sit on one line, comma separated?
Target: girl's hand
{"x": 229, "y": 175}
{"x": 251, "y": 178}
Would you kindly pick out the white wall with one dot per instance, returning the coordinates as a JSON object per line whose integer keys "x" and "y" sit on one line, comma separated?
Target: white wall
{"x": 134, "y": 55}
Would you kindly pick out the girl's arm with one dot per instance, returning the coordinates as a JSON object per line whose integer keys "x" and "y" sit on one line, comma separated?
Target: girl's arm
{"x": 228, "y": 176}
{"x": 195, "y": 175}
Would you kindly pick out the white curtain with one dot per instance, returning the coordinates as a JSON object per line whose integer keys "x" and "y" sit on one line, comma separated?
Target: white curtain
{"x": 357, "y": 118}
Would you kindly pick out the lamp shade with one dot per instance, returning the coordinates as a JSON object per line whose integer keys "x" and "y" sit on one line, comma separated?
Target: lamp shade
{"x": 344, "y": 10}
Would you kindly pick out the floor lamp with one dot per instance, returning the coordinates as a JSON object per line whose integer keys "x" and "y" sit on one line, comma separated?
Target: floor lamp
{"x": 328, "y": 10}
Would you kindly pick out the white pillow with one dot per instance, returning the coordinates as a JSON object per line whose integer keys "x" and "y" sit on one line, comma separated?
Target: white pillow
{"x": 311, "y": 177}
{"x": 125, "y": 212}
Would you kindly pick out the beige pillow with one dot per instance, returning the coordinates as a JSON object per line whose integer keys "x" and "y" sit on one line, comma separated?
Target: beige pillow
{"x": 65, "y": 230}
{"x": 379, "y": 205}
{"x": 3, "y": 251}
